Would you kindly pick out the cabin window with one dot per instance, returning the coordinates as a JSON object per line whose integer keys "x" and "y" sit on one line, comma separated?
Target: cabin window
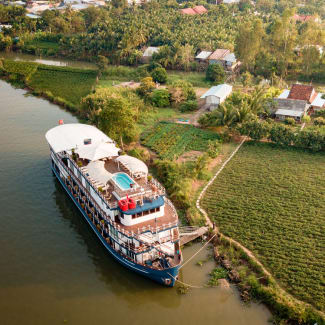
{"x": 145, "y": 212}
{"x": 122, "y": 215}
{"x": 152, "y": 211}
{"x": 134, "y": 216}
{"x": 87, "y": 186}
{"x": 138, "y": 215}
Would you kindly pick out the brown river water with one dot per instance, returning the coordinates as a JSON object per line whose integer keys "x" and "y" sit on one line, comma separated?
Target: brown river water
{"x": 53, "y": 270}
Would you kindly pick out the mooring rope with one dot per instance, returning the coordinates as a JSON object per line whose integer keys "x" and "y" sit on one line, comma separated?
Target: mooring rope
{"x": 186, "y": 284}
{"x": 197, "y": 251}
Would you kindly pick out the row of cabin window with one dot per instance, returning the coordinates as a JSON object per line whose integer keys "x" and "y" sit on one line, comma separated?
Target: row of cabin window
{"x": 145, "y": 213}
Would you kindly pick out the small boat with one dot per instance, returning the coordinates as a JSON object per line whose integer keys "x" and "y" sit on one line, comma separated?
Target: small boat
{"x": 125, "y": 206}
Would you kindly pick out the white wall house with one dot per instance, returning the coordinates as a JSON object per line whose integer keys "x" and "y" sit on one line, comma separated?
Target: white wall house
{"x": 216, "y": 95}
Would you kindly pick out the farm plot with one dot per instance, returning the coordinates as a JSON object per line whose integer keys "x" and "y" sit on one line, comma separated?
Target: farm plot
{"x": 68, "y": 83}
{"x": 272, "y": 200}
{"x": 171, "y": 140}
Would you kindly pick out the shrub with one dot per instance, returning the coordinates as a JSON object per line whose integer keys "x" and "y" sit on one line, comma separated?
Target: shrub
{"x": 320, "y": 121}
{"x": 146, "y": 87}
{"x": 181, "y": 91}
{"x": 306, "y": 119}
{"x": 281, "y": 135}
{"x": 153, "y": 65}
{"x": 215, "y": 73}
{"x": 159, "y": 75}
{"x": 160, "y": 98}
{"x": 290, "y": 121}
{"x": 320, "y": 113}
{"x": 189, "y": 106}
{"x": 254, "y": 129}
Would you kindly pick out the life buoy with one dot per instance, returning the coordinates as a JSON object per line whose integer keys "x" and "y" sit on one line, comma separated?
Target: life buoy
{"x": 123, "y": 204}
{"x": 131, "y": 204}
{"x": 168, "y": 281}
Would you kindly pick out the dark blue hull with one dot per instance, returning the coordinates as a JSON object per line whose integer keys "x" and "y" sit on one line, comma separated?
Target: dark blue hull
{"x": 165, "y": 277}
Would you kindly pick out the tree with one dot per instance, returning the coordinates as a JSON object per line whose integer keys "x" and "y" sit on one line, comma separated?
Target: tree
{"x": 102, "y": 63}
{"x": 160, "y": 98}
{"x": 117, "y": 119}
{"x": 310, "y": 58}
{"x": 181, "y": 91}
{"x": 249, "y": 42}
{"x": 115, "y": 112}
{"x": 246, "y": 79}
{"x": 254, "y": 129}
{"x": 215, "y": 73}
{"x": 159, "y": 75}
{"x": 146, "y": 87}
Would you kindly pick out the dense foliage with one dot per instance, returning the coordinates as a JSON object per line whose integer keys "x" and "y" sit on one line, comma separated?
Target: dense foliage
{"x": 267, "y": 193}
{"x": 266, "y": 37}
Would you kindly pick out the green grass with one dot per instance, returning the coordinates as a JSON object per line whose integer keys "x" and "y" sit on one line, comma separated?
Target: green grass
{"x": 119, "y": 74}
{"x": 272, "y": 200}
{"x": 197, "y": 79}
{"x": 44, "y": 45}
{"x": 171, "y": 140}
{"x": 67, "y": 83}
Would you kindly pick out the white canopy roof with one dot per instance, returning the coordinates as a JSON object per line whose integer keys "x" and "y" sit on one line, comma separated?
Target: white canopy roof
{"x": 97, "y": 171}
{"x": 134, "y": 165}
{"x": 220, "y": 91}
{"x": 98, "y": 151}
{"x": 69, "y": 136}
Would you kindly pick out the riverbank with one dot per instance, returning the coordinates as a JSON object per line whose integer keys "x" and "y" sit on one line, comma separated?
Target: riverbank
{"x": 40, "y": 77}
{"x": 54, "y": 270}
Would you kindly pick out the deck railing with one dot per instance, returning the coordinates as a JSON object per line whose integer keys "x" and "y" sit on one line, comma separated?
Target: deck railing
{"x": 121, "y": 229}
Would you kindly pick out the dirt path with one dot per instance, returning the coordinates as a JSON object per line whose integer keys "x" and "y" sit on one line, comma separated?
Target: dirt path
{"x": 195, "y": 117}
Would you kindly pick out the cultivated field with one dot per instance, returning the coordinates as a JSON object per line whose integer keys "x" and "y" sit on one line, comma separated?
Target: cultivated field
{"x": 68, "y": 83}
{"x": 171, "y": 140}
{"x": 272, "y": 200}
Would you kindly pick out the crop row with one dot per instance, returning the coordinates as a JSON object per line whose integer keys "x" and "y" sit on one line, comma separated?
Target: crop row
{"x": 272, "y": 200}
{"x": 171, "y": 140}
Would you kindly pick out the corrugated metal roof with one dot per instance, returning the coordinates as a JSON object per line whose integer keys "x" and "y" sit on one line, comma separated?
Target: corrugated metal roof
{"x": 203, "y": 55}
{"x": 289, "y": 112}
{"x": 218, "y": 91}
{"x": 319, "y": 101}
{"x": 219, "y": 54}
{"x": 150, "y": 51}
{"x": 284, "y": 94}
{"x": 231, "y": 57}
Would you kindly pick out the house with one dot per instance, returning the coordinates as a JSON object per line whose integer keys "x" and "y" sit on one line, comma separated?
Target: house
{"x": 194, "y": 11}
{"x": 294, "y": 108}
{"x": 147, "y": 54}
{"x": 305, "y": 18}
{"x": 318, "y": 103}
{"x": 302, "y": 92}
{"x": 203, "y": 56}
{"x": 227, "y": 2}
{"x": 225, "y": 58}
{"x": 216, "y": 95}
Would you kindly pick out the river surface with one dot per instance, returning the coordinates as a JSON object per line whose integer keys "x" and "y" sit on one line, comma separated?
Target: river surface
{"x": 53, "y": 269}
{"x": 48, "y": 61}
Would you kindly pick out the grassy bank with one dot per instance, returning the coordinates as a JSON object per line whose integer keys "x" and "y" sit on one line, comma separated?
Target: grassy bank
{"x": 271, "y": 200}
{"x": 62, "y": 85}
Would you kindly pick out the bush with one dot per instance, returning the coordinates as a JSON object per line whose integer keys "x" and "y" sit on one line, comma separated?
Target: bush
{"x": 320, "y": 113}
{"x": 146, "y": 87}
{"x": 215, "y": 73}
{"x": 160, "y": 98}
{"x": 181, "y": 91}
{"x": 159, "y": 75}
{"x": 153, "y": 65}
{"x": 254, "y": 129}
{"x": 189, "y": 106}
{"x": 290, "y": 121}
{"x": 306, "y": 119}
{"x": 319, "y": 121}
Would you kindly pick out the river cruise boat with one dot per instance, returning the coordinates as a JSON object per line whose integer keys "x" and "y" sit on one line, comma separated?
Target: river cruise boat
{"x": 125, "y": 206}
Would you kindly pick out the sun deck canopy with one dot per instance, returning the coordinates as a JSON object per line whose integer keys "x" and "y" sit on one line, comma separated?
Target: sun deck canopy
{"x": 72, "y": 136}
{"x": 133, "y": 165}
